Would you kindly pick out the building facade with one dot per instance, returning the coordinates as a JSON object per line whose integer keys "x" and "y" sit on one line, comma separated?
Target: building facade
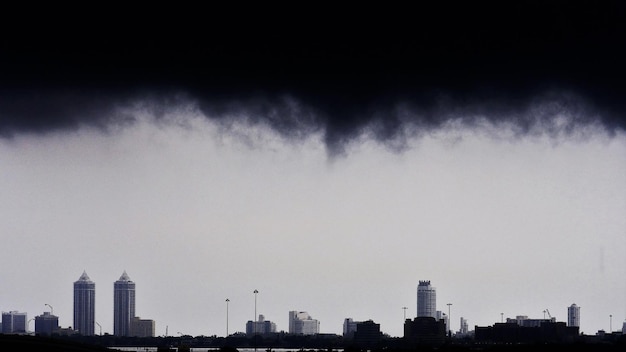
{"x": 14, "y": 322}
{"x": 260, "y": 327}
{"x": 349, "y": 327}
{"x": 426, "y": 300}
{"x": 573, "y": 315}
{"x": 142, "y": 327}
{"x": 46, "y": 324}
{"x": 301, "y": 323}
{"x": 84, "y": 305}
{"x": 123, "y": 305}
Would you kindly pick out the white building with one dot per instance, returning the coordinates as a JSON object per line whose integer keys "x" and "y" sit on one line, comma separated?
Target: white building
{"x": 426, "y": 300}
{"x": 573, "y": 315}
{"x": 301, "y": 323}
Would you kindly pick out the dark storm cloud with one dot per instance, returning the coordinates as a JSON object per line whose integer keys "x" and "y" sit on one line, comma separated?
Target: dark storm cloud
{"x": 381, "y": 72}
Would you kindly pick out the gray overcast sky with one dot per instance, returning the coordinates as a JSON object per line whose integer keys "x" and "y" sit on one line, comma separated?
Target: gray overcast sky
{"x": 329, "y": 161}
{"x": 196, "y": 213}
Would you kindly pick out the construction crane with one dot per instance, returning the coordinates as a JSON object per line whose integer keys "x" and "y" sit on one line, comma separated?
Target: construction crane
{"x": 547, "y": 311}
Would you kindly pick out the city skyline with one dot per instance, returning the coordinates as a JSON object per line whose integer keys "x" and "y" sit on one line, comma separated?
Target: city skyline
{"x": 326, "y": 162}
{"x": 299, "y": 322}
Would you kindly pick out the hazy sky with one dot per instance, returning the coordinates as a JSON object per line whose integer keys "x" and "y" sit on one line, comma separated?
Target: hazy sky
{"x": 330, "y": 175}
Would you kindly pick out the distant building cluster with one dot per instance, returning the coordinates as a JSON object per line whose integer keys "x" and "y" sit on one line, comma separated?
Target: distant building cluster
{"x": 260, "y": 327}
{"x": 430, "y": 326}
{"x": 362, "y": 333}
{"x": 125, "y": 323}
{"x": 300, "y": 323}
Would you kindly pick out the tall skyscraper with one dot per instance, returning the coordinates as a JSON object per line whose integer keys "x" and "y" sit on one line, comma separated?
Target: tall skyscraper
{"x": 84, "y": 305}
{"x": 573, "y": 315}
{"x": 123, "y": 305}
{"x": 426, "y": 300}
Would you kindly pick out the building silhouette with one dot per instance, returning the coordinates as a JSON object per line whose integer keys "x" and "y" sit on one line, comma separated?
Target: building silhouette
{"x": 142, "y": 327}
{"x": 367, "y": 334}
{"x": 439, "y": 315}
{"x": 527, "y": 331}
{"x": 123, "y": 305}
{"x": 46, "y": 324}
{"x": 573, "y": 315}
{"x": 426, "y": 300}
{"x": 260, "y": 327}
{"x": 84, "y": 305}
{"x": 424, "y": 331}
{"x": 301, "y": 323}
{"x": 14, "y": 322}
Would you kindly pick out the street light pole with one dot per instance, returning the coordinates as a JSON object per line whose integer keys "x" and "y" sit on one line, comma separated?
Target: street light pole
{"x": 100, "y": 326}
{"x": 611, "y": 323}
{"x": 404, "y": 308}
{"x": 51, "y": 309}
{"x": 254, "y": 320}
{"x": 502, "y": 317}
{"x": 449, "y": 321}
{"x": 227, "y": 300}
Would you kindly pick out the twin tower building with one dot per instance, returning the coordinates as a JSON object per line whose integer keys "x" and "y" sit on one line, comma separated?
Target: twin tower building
{"x": 125, "y": 323}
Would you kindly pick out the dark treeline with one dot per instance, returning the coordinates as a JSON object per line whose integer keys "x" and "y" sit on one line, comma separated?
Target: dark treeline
{"x": 320, "y": 342}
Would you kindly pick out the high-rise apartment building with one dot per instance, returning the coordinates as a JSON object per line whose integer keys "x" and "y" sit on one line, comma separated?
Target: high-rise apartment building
{"x": 573, "y": 315}
{"x": 301, "y": 323}
{"x": 14, "y": 322}
{"x": 84, "y": 305}
{"x": 123, "y": 305}
{"x": 426, "y": 300}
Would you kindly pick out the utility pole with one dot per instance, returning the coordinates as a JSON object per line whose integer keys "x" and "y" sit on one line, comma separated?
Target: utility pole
{"x": 449, "y": 321}
{"x": 254, "y": 321}
{"x": 227, "y": 300}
